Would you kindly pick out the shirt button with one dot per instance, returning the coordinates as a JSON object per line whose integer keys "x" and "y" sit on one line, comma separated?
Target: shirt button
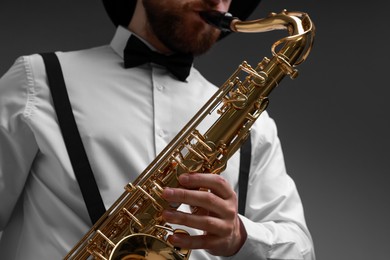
{"x": 159, "y": 87}
{"x": 161, "y": 133}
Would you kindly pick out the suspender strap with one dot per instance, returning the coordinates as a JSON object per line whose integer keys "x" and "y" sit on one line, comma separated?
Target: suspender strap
{"x": 245, "y": 162}
{"x": 71, "y": 135}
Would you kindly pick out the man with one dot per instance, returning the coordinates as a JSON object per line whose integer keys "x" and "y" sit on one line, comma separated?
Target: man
{"x": 126, "y": 116}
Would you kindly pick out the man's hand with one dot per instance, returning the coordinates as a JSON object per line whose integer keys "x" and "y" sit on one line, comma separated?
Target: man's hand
{"x": 216, "y": 214}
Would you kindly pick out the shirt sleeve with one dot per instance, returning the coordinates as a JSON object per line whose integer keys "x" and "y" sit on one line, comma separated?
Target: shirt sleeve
{"x": 274, "y": 218}
{"x": 17, "y": 144}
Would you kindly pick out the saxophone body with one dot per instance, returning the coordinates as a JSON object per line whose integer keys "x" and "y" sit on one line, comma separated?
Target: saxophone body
{"x": 133, "y": 227}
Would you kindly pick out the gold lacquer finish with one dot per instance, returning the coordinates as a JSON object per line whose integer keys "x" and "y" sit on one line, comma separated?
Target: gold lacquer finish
{"x": 133, "y": 227}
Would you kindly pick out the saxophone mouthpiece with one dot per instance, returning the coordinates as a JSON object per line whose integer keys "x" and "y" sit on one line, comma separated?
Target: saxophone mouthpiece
{"x": 218, "y": 19}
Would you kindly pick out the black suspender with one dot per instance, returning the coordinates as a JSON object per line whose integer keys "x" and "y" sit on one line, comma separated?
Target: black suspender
{"x": 245, "y": 163}
{"x": 71, "y": 135}
{"x": 78, "y": 156}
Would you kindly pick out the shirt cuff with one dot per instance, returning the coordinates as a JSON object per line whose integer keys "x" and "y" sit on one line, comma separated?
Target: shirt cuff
{"x": 254, "y": 246}
{"x": 260, "y": 244}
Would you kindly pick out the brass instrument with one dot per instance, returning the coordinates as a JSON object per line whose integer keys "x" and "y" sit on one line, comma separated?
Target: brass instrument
{"x": 133, "y": 227}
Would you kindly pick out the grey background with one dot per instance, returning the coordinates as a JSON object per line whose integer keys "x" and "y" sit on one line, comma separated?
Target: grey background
{"x": 332, "y": 119}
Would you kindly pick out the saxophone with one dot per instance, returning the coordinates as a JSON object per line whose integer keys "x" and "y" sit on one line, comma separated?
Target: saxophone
{"x": 133, "y": 227}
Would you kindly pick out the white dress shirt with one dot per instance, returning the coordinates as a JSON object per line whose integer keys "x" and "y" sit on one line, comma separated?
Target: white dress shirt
{"x": 125, "y": 117}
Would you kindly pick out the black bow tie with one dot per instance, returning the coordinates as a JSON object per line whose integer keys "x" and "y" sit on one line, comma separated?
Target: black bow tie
{"x": 137, "y": 53}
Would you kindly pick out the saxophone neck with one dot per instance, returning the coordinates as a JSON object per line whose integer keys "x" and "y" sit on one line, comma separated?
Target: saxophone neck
{"x": 298, "y": 25}
{"x": 293, "y": 21}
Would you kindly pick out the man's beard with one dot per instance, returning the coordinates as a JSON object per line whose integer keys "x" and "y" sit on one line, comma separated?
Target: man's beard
{"x": 176, "y": 30}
